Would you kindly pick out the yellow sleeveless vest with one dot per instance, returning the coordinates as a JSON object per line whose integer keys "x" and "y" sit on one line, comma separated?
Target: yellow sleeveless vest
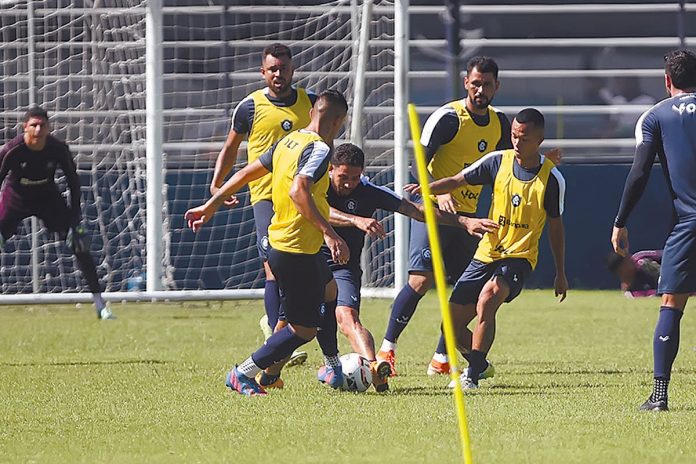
{"x": 289, "y": 230}
{"x": 518, "y": 208}
{"x": 271, "y": 123}
{"x": 470, "y": 144}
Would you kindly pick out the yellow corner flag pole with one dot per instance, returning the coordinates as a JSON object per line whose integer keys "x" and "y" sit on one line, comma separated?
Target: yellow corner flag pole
{"x": 440, "y": 282}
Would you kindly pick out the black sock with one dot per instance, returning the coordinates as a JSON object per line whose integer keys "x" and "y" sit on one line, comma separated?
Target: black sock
{"x": 89, "y": 270}
{"x": 327, "y": 334}
{"x": 659, "y": 390}
{"x": 477, "y": 364}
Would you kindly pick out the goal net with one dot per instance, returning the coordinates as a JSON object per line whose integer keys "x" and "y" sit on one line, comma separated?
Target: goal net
{"x": 84, "y": 61}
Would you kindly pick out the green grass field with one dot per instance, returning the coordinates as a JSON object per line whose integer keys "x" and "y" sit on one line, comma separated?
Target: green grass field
{"x": 148, "y": 387}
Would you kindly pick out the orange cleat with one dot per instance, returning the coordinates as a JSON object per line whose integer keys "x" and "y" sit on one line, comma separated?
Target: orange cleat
{"x": 438, "y": 368}
{"x": 277, "y": 383}
{"x": 390, "y": 358}
{"x": 380, "y": 373}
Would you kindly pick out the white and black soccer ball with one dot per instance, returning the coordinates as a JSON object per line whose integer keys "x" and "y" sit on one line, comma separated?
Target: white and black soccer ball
{"x": 357, "y": 375}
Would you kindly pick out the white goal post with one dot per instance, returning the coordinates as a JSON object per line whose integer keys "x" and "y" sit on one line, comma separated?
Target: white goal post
{"x": 143, "y": 94}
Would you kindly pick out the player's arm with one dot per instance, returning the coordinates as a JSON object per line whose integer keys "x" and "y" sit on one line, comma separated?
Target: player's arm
{"x": 242, "y": 119}
{"x": 313, "y": 164}
{"x": 553, "y": 204}
{"x": 196, "y": 217}
{"x": 73, "y": 180}
{"x": 481, "y": 172}
{"x": 369, "y": 225}
{"x": 6, "y": 163}
{"x": 647, "y": 141}
{"x": 473, "y": 226}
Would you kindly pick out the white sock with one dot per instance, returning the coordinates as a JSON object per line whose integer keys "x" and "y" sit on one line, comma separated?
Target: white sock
{"x": 439, "y": 357}
{"x": 388, "y": 346}
{"x": 249, "y": 368}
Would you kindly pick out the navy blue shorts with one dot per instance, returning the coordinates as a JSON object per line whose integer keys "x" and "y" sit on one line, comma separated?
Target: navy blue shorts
{"x": 458, "y": 247}
{"x": 263, "y": 212}
{"x": 348, "y": 282}
{"x": 678, "y": 269}
{"x": 468, "y": 288}
{"x": 302, "y": 281}
{"x": 53, "y": 212}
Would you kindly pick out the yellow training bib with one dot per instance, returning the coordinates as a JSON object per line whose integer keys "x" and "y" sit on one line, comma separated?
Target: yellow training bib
{"x": 271, "y": 123}
{"x": 470, "y": 144}
{"x": 518, "y": 208}
{"x": 289, "y": 230}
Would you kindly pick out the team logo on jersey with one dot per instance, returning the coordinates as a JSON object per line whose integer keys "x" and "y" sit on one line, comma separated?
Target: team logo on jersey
{"x": 264, "y": 243}
{"x": 351, "y": 205}
{"x": 516, "y": 200}
{"x": 286, "y": 125}
{"x": 23, "y": 164}
{"x": 426, "y": 254}
{"x": 482, "y": 145}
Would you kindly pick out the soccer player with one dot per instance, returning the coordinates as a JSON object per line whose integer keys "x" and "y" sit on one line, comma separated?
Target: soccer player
{"x": 528, "y": 192}
{"x": 265, "y": 116}
{"x": 638, "y": 273}
{"x": 354, "y": 199}
{"x": 299, "y": 165}
{"x": 29, "y": 162}
{"x": 455, "y": 136}
{"x": 668, "y": 131}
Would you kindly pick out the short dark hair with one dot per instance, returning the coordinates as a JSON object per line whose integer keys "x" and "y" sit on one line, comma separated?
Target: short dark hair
{"x": 335, "y": 99}
{"x": 349, "y": 155}
{"x": 614, "y": 260}
{"x": 277, "y": 50}
{"x": 484, "y": 64}
{"x": 35, "y": 112}
{"x": 530, "y": 116}
{"x": 680, "y": 66}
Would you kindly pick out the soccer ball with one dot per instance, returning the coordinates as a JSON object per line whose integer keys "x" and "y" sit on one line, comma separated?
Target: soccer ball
{"x": 357, "y": 375}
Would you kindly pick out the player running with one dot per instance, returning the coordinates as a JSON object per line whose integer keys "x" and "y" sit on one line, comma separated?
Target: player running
{"x": 354, "y": 199}
{"x": 29, "y": 162}
{"x": 527, "y": 190}
{"x": 265, "y": 116}
{"x": 299, "y": 165}
{"x": 455, "y": 136}
{"x": 668, "y": 131}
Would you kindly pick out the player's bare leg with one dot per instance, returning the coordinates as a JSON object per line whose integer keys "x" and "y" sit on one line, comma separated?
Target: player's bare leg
{"x": 491, "y": 297}
{"x": 403, "y": 308}
{"x": 362, "y": 342}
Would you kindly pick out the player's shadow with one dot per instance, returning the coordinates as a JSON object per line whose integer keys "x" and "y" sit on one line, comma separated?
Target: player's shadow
{"x": 422, "y": 391}
{"x": 87, "y": 363}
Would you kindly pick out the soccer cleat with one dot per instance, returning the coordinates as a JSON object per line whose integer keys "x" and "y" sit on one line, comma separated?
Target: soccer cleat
{"x": 467, "y": 383}
{"x": 380, "y": 373}
{"x": 277, "y": 383}
{"x": 242, "y": 384}
{"x": 488, "y": 373}
{"x": 297, "y": 358}
{"x": 265, "y": 328}
{"x": 106, "y": 314}
{"x": 650, "y": 405}
{"x": 389, "y": 357}
{"x": 438, "y": 368}
{"x": 331, "y": 376}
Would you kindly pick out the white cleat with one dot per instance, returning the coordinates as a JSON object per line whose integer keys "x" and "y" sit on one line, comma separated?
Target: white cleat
{"x": 488, "y": 373}
{"x": 106, "y": 314}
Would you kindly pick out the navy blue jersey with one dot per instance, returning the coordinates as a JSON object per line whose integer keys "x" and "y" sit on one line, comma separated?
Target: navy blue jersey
{"x": 483, "y": 172}
{"x": 668, "y": 131}
{"x": 363, "y": 201}
{"x": 31, "y": 174}
{"x": 243, "y": 116}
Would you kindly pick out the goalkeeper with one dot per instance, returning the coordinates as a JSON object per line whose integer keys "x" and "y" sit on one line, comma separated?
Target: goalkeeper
{"x": 29, "y": 162}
